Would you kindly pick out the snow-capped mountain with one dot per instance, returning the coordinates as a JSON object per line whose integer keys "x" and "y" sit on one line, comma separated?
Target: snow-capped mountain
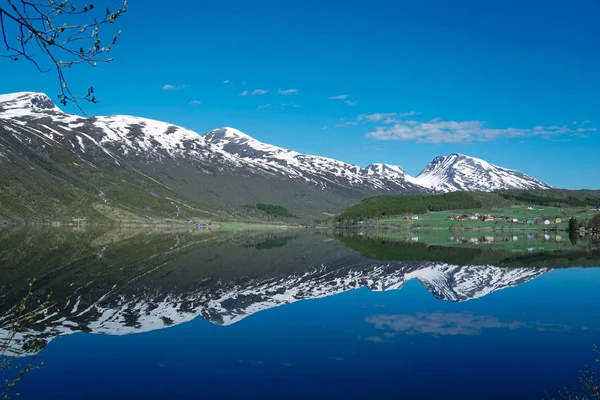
{"x": 150, "y": 140}
{"x": 460, "y": 172}
{"x": 147, "y": 169}
{"x": 25, "y": 104}
{"x": 115, "y": 159}
{"x": 316, "y": 170}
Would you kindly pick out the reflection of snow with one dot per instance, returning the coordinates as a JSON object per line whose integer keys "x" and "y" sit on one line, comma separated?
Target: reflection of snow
{"x": 118, "y": 312}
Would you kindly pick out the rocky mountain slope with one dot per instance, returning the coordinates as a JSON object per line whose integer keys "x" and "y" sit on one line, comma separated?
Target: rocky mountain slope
{"x": 60, "y": 167}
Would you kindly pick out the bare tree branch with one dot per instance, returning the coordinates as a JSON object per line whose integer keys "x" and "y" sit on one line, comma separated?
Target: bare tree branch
{"x": 42, "y": 26}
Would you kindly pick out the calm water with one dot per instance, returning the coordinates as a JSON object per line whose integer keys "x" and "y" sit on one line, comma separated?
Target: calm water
{"x": 298, "y": 315}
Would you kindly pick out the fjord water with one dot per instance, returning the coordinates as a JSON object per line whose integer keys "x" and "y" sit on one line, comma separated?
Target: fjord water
{"x": 199, "y": 314}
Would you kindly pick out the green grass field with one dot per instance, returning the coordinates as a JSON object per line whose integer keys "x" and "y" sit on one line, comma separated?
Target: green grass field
{"x": 439, "y": 220}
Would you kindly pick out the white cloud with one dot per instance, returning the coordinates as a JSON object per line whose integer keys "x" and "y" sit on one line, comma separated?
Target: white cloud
{"x": 174, "y": 87}
{"x": 386, "y": 118}
{"x": 226, "y": 81}
{"x": 281, "y": 106}
{"x": 345, "y": 124}
{"x": 465, "y": 323}
{"x": 244, "y": 93}
{"x": 259, "y": 92}
{"x": 287, "y": 91}
{"x": 284, "y": 105}
{"x": 339, "y": 97}
{"x": 344, "y": 97}
{"x": 376, "y": 117}
{"x": 408, "y": 114}
{"x": 440, "y": 323}
{"x": 439, "y": 131}
{"x": 324, "y": 128}
{"x": 195, "y": 102}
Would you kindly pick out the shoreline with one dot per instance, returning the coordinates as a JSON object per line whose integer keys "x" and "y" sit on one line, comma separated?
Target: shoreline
{"x": 217, "y": 225}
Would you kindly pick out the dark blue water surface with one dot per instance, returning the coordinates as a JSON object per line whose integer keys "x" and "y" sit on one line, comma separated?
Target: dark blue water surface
{"x": 516, "y": 342}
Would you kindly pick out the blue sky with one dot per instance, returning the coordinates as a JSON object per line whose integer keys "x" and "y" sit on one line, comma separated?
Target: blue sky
{"x": 515, "y": 83}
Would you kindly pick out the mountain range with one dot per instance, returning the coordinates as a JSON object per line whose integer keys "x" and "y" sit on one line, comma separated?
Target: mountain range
{"x": 57, "y": 166}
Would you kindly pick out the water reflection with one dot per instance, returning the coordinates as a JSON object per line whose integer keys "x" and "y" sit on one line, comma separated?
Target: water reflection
{"x": 204, "y": 310}
{"x": 122, "y": 282}
{"x": 465, "y": 323}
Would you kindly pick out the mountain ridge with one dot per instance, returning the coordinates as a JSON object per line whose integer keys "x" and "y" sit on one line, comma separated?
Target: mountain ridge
{"x": 218, "y": 173}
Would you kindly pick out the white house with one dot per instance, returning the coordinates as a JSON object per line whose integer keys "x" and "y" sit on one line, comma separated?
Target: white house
{"x": 546, "y": 222}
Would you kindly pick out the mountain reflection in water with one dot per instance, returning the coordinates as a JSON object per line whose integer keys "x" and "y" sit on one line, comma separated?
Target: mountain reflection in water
{"x": 129, "y": 282}
{"x": 126, "y": 282}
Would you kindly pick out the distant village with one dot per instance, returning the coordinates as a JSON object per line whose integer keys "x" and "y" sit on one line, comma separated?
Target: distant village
{"x": 545, "y": 222}
{"x": 540, "y": 220}
{"x": 494, "y": 217}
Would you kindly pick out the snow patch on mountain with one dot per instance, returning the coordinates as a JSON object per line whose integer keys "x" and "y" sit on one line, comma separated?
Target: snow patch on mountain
{"x": 460, "y": 172}
{"x": 24, "y": 104}
{"x": 318, "y": 170}
{"x": 143, "y": 135}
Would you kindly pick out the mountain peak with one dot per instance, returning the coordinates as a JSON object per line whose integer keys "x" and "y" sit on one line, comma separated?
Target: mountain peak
{"x": 459, "y": 155}
{"x": 381, "y": 168}
{"x": 461, "y": 172}
{"x": 24, "y": 103}
{"x": 225, "y": 133}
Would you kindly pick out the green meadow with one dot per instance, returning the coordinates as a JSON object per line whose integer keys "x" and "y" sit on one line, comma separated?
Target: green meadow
{"x": 439, "y": 219}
